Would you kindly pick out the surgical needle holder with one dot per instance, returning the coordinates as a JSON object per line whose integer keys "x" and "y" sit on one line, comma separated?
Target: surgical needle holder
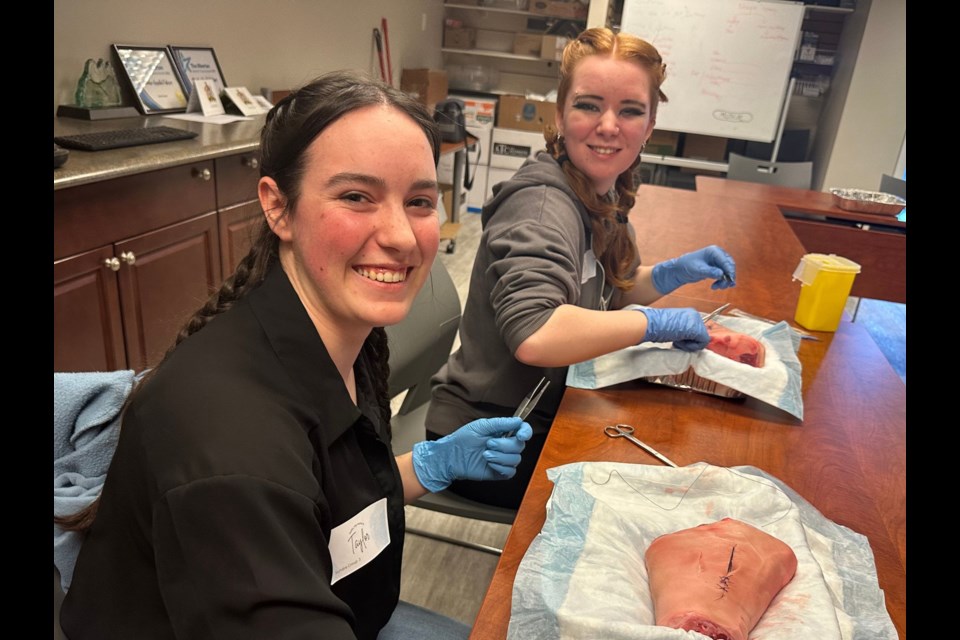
{"x": 531, "y": 400}
{"x": 626, "y": 431}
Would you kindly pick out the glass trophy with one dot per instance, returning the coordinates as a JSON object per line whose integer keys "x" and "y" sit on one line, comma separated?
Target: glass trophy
{"x": 98, "y": 95}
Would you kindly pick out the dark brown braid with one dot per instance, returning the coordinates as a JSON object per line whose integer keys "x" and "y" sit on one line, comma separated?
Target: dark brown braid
{"x": 378, "y": 352}
{"x": 290, "y": 127}
{"x": 611, "y": 240}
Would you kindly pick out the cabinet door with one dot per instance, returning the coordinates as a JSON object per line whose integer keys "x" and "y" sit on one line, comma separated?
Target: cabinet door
{"x": 237, "y": 178}
{"x": 166, "y": 275}
{"x": 87, "y": 331}
{"x": 238, "y": 230}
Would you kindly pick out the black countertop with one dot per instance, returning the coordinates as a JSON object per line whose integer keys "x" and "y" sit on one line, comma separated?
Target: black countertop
{"x": 212, "y": 141}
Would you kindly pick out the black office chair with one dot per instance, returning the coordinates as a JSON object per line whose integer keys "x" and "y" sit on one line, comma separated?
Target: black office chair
{"x": 785, "y": 174}
{"x": 896, "y": 186}
{"x": 419, "y": 346}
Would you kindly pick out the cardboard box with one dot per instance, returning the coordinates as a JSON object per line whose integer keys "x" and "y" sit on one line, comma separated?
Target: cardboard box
{"x": 490, "y": 40}
{"x": 551, "y": 47}
{"x": 572, "y": 9}
{"x": 459, "y": 37}
{"x": 527, "y": 44}
{"x": 517, "y": 112}
{"x": 511, "y": 148}
{"x": 662, "y": 143}
{"x": 477, "y": 112}
{"x": 699, "y": 147}
{"x": 427, "y": 86}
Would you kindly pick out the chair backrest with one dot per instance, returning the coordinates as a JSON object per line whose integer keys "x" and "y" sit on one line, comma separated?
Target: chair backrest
{"x": 421, "y": 343}
{"x": 896, "y": 186}
{"x": 419, "y": 346}
{"x": 785, "y": 174}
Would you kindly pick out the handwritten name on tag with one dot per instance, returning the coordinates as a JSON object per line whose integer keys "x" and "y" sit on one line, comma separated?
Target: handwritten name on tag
{"x": 359, "y": 540}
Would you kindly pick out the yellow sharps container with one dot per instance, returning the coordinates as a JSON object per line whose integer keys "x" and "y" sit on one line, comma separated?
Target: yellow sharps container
{"x": 826, "y": 282}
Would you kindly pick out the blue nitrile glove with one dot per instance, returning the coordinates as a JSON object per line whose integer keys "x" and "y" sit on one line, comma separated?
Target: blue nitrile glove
{"x": 485, "y": 449}
{"x": 683, "y": 327}
{"x": 709, "y": 262}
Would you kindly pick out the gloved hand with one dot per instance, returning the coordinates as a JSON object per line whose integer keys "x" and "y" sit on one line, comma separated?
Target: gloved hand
{"x": 683, "y": 327}
{"x": 709, "y": 262}
{"x": 485, "y": 449}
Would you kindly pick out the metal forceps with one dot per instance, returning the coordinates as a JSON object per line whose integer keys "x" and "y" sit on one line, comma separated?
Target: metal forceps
{"x": 626, "y": 431}
{"x": 531, "y": 400}
{"x": 713, "y": 314}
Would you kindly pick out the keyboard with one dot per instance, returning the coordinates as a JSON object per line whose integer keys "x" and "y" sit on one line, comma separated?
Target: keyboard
{"x": 117, "y": 138}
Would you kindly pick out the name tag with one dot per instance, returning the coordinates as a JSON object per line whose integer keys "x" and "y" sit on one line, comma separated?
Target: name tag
{"x": 589, "y": 266}
{"x": 359, "y": 540}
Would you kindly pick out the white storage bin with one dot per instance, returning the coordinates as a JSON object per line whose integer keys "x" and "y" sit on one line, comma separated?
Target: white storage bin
{"x": 512, "y": 147}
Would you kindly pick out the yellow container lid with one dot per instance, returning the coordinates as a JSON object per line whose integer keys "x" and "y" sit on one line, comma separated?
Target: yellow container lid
{"x": 813, "y": 263}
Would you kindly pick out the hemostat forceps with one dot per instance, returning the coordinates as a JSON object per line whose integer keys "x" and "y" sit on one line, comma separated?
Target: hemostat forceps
{"x": 626, "y": 431}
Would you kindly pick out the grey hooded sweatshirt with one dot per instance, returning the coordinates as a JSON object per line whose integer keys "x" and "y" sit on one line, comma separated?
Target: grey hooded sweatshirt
{"x": 535, "y": 255}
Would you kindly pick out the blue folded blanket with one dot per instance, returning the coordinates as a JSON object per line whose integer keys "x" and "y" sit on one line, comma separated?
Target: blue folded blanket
{"x": 86, "y": 425}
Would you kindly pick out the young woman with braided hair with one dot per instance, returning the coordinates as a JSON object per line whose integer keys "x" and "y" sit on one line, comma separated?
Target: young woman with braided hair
{"x": 558, "y": 258}
{"x": 253, "y": 492}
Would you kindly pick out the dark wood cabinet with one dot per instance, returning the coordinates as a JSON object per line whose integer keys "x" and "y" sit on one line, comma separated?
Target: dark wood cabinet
{"x": 135, "y": 256}
{"x": 239, "y": 226}
{"x": 240, "y": 213}
{"x": 175, "y": 270}
{"x": 87, "y": 329}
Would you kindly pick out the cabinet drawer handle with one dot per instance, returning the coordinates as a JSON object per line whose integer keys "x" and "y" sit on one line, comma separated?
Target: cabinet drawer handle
{"x": 128, "y": 257}
{"x": 253, "y": 163}
{"x": 112, "y": 263}
{"x": 203, "y": 174}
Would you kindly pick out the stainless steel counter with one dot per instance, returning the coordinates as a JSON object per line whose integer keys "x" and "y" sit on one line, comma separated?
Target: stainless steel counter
{"x": 213, "y": 141}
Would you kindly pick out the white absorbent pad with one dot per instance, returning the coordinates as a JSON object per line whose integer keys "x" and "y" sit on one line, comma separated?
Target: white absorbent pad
{"x": 584, "y": 575}
{"x": 777, "y": 383}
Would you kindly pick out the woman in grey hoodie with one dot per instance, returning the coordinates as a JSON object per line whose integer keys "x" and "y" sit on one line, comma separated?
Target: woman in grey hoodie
{"x": 558, "y": 259}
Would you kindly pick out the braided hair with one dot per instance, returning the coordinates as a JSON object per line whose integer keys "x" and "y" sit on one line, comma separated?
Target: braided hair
{"x": 610, "y": 238}
{"x": 290, "y": 127}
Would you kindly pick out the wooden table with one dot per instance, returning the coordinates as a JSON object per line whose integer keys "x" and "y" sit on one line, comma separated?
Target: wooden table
{"x": 877, "y": 243}
{"x": 847, "y": 457}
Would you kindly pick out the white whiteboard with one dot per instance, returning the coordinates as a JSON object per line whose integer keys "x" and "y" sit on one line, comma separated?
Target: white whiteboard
{"x": 728, "y": 62}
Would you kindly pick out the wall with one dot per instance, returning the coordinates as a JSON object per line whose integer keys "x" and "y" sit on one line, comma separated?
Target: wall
{"x": 285, "y": 42}
{"x": 277, "y": 44}
{"x": 860, "y": 138}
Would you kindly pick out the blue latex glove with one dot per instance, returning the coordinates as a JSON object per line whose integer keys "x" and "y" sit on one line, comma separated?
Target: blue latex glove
{"x": 485, "y": 449}
{"x": 683, "y": 327}
{"x": 709, "y": 262}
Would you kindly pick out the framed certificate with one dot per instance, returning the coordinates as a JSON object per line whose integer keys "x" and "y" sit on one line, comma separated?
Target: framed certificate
{"x": 198, "y": 63}
{"x": 153, "y": 78}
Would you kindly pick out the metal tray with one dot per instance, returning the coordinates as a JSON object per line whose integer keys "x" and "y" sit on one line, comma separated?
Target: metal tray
{"x": 875, "y": 202}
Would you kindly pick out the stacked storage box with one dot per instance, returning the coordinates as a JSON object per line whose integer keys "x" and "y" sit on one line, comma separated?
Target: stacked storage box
{"x": 511, "y": 148}
{"x": 517, "y": 136}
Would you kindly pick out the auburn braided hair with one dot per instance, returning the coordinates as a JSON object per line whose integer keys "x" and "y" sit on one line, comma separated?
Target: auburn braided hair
{"x": 610, "y": 239}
